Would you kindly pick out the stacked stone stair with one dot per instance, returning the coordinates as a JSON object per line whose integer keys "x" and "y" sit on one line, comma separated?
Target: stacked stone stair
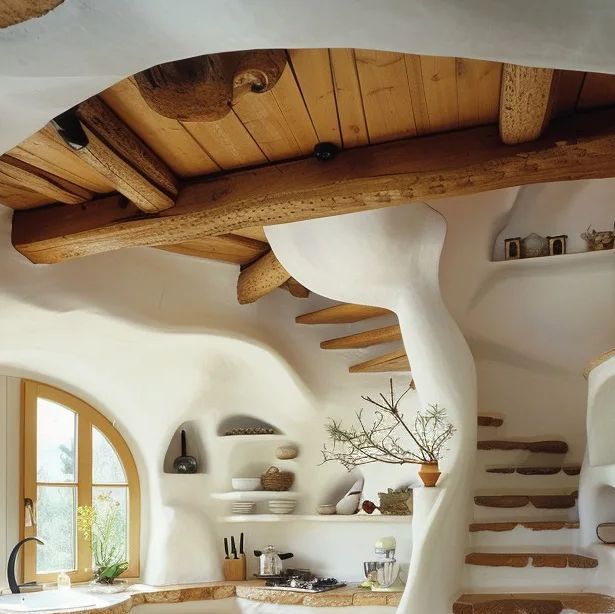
{"x": 525, "y": 531}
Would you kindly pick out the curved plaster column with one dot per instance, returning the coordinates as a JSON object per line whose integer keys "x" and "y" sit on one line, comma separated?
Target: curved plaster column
{"x": 390, "y": 258}
{"x": 597, "y": 480}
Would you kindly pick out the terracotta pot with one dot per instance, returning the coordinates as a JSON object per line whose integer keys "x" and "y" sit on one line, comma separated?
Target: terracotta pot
{"x": 430, "y": 474}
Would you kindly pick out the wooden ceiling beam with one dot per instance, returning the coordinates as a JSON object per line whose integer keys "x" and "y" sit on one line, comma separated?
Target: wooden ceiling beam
{"x": 260, "y": 278}
{"x": 24, "y": 175}
{"x": 526, "y": 101}
{"x": 364, "y": 339}
{"x": 454, "y": 164}
{"x": 387, "y": 363}
{"x": 98, "y": 137}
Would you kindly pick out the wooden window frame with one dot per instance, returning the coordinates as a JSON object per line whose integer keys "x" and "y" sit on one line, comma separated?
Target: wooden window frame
{"x": 87, "y": 417}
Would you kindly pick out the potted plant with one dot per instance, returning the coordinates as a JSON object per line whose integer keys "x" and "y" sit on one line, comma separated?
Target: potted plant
{"x": 102, "y": 524}
{"x": 387, "y": 437}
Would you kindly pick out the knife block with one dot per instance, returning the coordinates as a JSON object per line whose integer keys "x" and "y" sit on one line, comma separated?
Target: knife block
{"x": 234, "y": 569}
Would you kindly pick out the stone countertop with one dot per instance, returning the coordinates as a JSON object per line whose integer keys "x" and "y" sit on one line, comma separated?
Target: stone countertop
{"x": 254, "y": 590}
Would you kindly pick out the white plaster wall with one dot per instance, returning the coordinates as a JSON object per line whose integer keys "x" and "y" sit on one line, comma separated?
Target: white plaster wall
{"x": 154, "y": 340}
{"x": 150, "y": 338}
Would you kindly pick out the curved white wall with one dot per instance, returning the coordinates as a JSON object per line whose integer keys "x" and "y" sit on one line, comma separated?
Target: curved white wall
{"x": 390, "y": 258}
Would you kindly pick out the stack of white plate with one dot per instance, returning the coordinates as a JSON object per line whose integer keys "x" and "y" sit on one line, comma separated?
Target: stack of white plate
{"x": 282, "y": 506}
{"x": 243, "y": 507}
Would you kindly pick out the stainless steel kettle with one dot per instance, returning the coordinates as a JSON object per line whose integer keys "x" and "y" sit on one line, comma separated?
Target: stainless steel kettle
{"x": 271, "y": 561}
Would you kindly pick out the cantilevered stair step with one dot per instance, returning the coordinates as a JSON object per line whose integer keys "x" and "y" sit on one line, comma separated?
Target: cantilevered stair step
{"x": 567, "y": 469}
{"x": 533, "y": 559}
{"x": 546, "y": 501}
{"x": 344, "y": 313}
{"x": 487, "y": 420}
{"x": 548, "y": 447}
{"x": 387, "y": 363}
{"x": 533, "y": 525}
{"x": 534, "y": 603}
{"x": 365, "y": 339}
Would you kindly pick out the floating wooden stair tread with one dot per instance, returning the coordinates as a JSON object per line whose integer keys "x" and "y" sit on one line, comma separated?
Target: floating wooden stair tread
{"x": 387, "y": 363}
{"x": 563, "y": 501}
{"x": 548, "y": 447}
{"x": 486, "y": 420}
{"x": 344, "y": 313}
{"x": 567, "y": 469}
{"x": 534, "y": 559}
{"x": 364, "y": 339}
{"x": 534, "y": 603}
{"x": 534, "y": 525}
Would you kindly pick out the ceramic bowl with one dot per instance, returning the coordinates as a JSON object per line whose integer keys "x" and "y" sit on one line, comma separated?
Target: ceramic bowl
{"x": 246, "y": 484}
{"x": 282, "y": 506}
{"x": 327, "y": 509}
{"x": 244, "y": 507}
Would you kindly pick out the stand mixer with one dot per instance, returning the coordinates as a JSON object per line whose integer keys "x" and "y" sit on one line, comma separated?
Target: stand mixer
{"x": 383, "y": 573}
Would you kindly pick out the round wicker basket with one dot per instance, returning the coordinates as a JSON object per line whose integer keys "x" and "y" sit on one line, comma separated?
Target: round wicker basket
{"x": 274, "y": 479}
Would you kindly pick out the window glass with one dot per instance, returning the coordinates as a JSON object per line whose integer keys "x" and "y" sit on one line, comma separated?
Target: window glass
{"x": 55, "y": 442}
{"x": 111, "y": 507}
{"x": 106, "y": 465}
{"x": 56, "y": 512}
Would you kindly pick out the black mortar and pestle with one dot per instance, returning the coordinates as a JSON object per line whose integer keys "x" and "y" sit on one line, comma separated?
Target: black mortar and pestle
{"x": 184, "y": 463}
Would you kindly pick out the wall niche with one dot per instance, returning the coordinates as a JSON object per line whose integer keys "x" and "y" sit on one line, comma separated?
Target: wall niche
{"x": 194, "y": 448}
{"x": 245, "y": 426}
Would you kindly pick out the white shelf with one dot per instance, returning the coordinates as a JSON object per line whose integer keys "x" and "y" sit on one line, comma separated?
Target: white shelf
{"x": 252, "y": 438}
{"x": 316, "y": 518}
{"x": 255, "y": 495}
{"x": 605, "y": 254}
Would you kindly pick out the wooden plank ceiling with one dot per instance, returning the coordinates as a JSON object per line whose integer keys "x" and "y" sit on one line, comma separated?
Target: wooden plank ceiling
{"x": 353, "y": 98}
{"x": 349, "y": 97}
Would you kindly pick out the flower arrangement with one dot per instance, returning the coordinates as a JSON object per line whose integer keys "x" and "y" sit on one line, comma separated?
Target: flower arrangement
{"x": 102, "y": 525}
{"x": 388, "y": 437}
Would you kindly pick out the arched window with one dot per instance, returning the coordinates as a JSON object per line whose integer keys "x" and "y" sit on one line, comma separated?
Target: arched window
{"x": 73, "y": 457}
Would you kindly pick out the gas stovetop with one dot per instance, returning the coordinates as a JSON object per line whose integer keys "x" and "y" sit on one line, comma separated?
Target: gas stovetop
{"x": 303, "y": 584}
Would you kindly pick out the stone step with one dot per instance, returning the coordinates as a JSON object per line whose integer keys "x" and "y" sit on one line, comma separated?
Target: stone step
{"x": 544, "y": 501}
{"x": 534, "y": 603}
{"x": 488, "y": 420}
{"x": 557, "y": 560}
{"x": 523, "y": 470}
{"x": 549, "y": 447}
{"x": 533, "y": 525}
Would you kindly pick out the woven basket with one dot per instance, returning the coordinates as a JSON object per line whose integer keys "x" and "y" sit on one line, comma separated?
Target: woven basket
{"x": 274, "y": 479}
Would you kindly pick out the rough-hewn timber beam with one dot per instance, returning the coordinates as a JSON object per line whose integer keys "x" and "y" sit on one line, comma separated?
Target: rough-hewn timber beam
{"x": 260, "y": 278}
{"x": 25, "y": 175}
{"x": 103, "y": 141}
{"x": 465, "y": 162}
{"x": 526, "y": 101}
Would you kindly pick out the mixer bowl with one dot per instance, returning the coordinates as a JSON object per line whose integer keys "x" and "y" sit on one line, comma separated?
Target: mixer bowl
{"x": 384, "y": 573}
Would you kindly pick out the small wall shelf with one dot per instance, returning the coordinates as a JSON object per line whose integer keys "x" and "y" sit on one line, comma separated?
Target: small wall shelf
{"x": 243, "y": 421}
{"x": 568, "y": 258}
{"x": 255, "y": 495}
{"x": 379, "y": 518}
{"x": 252, "y": 438}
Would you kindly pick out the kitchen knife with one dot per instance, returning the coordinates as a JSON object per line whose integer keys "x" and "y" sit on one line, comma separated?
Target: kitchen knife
{"x": 226, "y": 548}
{"x": 233, "y": 548}
{"x": 241, "y": 544}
